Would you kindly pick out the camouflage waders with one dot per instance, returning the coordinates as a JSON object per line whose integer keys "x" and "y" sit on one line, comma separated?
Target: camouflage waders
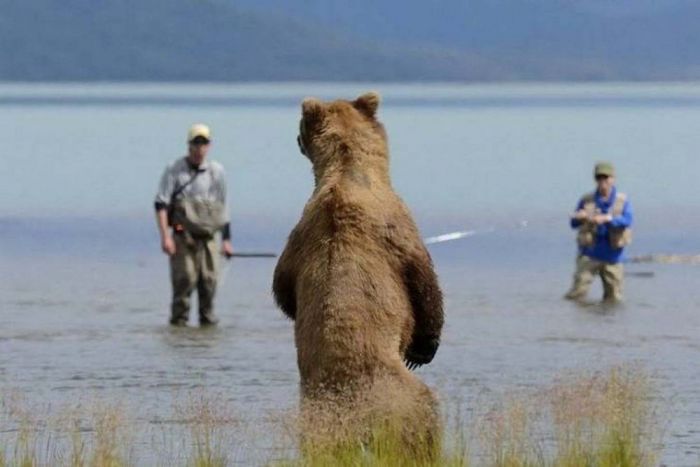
{"x": 194, "y": 264}
{"x": 586, "y": 268}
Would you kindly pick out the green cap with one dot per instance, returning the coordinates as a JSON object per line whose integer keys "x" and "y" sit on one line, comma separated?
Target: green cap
{"x": 604, "y": 168}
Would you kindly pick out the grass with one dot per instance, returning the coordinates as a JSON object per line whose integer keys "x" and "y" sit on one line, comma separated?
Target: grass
{"x": 383, "y": 446}
{"x": 603, "y": 419}
{"x": 597, "y": 419}
{"x": 606, "y": 420}
{"x": 73, "y": 437}
{"x": 102, "y": 435}
{"x": 356, "y": 438}
{"x": 384, "y": 450}
{"x": 206, "y": 416}
{"x": 506, "y": 434}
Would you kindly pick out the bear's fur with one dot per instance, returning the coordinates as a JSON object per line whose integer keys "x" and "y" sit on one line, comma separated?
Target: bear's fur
{"x": 356, "y": 277}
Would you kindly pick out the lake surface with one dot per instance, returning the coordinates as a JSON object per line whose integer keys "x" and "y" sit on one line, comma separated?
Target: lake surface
{"x": 84, "y": 288}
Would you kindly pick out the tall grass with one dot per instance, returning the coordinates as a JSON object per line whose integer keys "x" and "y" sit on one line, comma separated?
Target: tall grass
{"x": 606, "y": 420}
{"x": 44, "y": 439}
{"x": 209, "y": 420}
{"x": 384, "y": 448}
{"x": 598, "y": 419}
{"x": 110, "y": 441}
{"x": 353, "y": 439}
{"x": 506, "y": 434}
{"x": 376, "y": 422}
{"x": 602, "y": 419}
{"x": 25, "y": 450}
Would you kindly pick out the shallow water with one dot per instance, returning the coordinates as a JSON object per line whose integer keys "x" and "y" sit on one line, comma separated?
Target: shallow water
{"x": 84, "y": 291}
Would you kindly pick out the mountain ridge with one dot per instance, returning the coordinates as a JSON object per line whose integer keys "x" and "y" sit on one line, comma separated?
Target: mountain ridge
{"x": 332, "y": 40}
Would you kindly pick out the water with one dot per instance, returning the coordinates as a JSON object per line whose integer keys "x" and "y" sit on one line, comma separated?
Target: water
{"x": 84, "y": 289}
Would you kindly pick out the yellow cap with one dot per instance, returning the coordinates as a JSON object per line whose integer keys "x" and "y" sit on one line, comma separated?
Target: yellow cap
{"x": 198, "y": 129}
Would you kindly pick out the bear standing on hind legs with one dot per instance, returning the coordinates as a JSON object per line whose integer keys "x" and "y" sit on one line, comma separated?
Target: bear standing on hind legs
{"x": 359, "y": 283}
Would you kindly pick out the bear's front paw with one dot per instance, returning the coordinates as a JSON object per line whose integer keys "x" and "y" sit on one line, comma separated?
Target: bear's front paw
{"x": 421, "y": 351}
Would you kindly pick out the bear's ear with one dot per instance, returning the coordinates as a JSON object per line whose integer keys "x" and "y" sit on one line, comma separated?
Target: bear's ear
{"x": 368, "y": 104}
{"x": 311, "y": 111}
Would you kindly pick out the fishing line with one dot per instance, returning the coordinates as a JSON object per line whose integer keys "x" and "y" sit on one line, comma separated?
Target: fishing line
{"x": 246, "y": 254}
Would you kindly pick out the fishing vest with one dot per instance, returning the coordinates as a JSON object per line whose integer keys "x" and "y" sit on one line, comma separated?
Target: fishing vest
{"x": 201, "y": 218}
{"x": 619, "y": 237}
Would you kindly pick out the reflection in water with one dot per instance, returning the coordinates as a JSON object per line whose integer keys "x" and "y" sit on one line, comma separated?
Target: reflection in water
{"x": 192, "y": 336}
{"x": 599, "y": 307}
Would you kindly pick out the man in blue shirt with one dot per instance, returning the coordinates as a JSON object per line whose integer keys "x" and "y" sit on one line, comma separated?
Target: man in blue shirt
{"x": 603, "y": 220}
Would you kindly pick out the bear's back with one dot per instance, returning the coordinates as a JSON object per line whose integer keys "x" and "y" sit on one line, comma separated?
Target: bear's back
{"x": 350, "y": 285}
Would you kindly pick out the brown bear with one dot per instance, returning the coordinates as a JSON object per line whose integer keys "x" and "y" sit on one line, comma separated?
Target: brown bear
{"x": 358, "y": 281}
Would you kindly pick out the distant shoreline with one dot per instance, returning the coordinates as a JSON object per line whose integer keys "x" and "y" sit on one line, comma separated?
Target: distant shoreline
{"x": 396, "y": 94}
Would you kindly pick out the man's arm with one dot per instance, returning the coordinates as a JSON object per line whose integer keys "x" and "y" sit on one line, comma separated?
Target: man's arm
{"x": 166, "y": 240}
{"x": 165, "y": 190}
{"x": 625, "y": 219}
{"x": 226, "y": 244}
{"x": 579, "y": 216}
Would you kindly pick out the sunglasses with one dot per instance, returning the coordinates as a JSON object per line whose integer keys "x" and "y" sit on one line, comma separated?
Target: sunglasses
{"x": 602, "y": 177}
{"x": 199, "y": 141}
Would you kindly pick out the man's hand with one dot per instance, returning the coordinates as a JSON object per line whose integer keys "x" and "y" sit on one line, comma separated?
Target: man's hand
{"x": 580, "y": 215}
{"x": 602, "y": 218}
{"x": 167, "y": 245}
{"x": 227, "y": 248}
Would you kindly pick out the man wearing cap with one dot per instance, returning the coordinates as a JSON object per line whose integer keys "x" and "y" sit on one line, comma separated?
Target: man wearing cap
{"x": 190, "y": 210}
{"x": 603, "y": 219}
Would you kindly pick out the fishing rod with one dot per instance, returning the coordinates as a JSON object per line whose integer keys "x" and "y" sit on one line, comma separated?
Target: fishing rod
{"x": 690, "y": 259}
{"x": 268, "y": 254}
{"x": 448, "y": 237}
{"x": 458, "y": 235}
{"x": 242, "y": 254}
{"x": 666, "y": 259}
{"x": 658, "y": 258}
{"x": 252, "y": 254}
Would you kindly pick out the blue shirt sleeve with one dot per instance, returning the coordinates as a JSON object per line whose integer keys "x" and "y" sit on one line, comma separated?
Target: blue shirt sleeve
{"x": 575, "y": 223}
{"x": 624, "y": 219}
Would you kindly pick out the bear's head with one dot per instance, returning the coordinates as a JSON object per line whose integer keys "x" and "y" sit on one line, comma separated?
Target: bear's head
{"x": 341, "y": 131}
